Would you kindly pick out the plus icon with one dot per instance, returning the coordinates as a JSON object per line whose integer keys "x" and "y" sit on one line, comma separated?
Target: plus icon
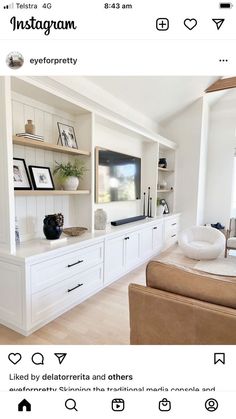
{"x": 162, "y": 24}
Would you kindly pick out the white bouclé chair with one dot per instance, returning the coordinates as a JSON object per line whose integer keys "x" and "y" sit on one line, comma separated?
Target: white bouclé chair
{"x": 202, "y": 242}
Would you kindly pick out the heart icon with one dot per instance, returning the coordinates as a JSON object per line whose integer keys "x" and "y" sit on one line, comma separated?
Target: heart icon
{"x": 190, "y": 23}
{"x": 14, "y": 358}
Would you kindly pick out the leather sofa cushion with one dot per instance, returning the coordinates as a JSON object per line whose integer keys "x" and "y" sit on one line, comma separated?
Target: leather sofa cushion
{"x": 191, "y": 283}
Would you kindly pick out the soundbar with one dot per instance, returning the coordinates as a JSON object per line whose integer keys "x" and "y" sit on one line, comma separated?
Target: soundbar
{"x": 128, "y": 220}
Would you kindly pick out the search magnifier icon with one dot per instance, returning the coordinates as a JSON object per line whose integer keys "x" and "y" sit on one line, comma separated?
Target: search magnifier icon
{"x": 71, "y": 404}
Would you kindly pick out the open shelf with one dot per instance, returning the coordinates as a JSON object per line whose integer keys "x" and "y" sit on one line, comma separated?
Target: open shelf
{"x": 27, "y": 142}
{"x": 51, "y": 192}
{"x": 161, "y": 169}
{"x": 165, "y": 190}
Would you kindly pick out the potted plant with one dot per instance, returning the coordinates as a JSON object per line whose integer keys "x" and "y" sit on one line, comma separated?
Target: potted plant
{"x": 69, "y": 174}
{"x": 160, "y": 207}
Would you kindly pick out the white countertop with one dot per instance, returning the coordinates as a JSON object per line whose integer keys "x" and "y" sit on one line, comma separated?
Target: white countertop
{"x": 32, "y": 249}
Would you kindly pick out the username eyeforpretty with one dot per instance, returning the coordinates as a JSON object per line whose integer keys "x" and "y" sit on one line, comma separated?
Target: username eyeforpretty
{"x": 53, "y": 61}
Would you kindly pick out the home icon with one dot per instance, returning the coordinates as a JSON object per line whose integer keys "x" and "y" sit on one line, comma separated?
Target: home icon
{"x": 24, "y": 405}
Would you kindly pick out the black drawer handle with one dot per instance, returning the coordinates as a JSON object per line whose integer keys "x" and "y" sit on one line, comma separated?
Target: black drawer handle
{"x": 154, "y": 228}
{"x": 174, "y": 224}
{"x": 77, "y": 286}
{"x": 173, "y": 235}
{"x": 76, "y": 263}
{"x": 126, "y": 238}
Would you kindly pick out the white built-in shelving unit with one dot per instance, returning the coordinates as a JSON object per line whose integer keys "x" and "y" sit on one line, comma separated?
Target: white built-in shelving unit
{"x": 167, "y": 175}
{"x": 47, "y": 102}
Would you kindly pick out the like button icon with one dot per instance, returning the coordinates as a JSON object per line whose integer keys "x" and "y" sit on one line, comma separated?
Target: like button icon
{"x": 14, "y": 358}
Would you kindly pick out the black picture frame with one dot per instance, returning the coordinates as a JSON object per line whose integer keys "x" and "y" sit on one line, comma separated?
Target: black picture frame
{"x": 165, "y": 205}
{"x": 67, "y": 136}
{"x": 21, "y": 178}
{"x": 41, "y": 176}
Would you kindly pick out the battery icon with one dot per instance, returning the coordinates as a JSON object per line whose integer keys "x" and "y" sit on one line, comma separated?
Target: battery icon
{"x": 226, "y": 5}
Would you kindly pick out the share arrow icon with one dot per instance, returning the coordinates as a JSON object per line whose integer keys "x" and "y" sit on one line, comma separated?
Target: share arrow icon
{"x": 60, "y": 357}
{"x": 218, "y": 22}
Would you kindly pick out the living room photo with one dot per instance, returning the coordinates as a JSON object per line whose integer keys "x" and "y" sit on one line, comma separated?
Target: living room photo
{"x": 118, "y": 210}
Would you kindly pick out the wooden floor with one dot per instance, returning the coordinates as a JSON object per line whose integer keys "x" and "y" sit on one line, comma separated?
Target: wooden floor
{"x": 101, "y": 320}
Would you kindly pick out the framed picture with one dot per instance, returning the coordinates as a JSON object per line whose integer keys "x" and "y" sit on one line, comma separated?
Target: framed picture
{"x": 67, "y": 135}
{"x": 21, "y": 177}
{"x": 41, "y": 178}
{"x": 165, "y": 206}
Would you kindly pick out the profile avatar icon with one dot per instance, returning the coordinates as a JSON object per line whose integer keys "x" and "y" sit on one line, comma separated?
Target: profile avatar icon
{"x": 211, "y": 405}
{"x": 15, "y": 60}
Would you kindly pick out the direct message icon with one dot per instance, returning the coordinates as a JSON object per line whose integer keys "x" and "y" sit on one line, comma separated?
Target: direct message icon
{"x": 60, "y": 356}
{"x": 164, "y": 405}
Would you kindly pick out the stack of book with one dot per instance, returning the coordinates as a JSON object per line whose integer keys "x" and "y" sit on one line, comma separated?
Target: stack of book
{"x": 30, "y": 136}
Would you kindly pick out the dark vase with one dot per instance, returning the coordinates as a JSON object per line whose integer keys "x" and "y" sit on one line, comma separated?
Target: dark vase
{"x": 51, "y": 228}
{"x": 162, "y": 163}
{"x": 52, "y": 232}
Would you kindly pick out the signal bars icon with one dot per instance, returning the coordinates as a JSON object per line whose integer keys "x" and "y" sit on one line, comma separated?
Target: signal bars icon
{"x": 9, "y": 6}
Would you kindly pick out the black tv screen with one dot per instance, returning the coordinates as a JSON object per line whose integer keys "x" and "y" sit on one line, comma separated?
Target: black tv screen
{"x": 118, "y": 176}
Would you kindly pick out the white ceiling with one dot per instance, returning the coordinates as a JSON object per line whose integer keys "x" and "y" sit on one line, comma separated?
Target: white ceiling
{"x": 157, "y": 98}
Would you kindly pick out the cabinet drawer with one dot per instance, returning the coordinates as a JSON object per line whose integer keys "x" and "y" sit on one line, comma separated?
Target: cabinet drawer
{"x": 50, "y": 272}
{"x": 171, "y": 231}
{"x": 171, "y": 224}
{"x": 52, "y": 301}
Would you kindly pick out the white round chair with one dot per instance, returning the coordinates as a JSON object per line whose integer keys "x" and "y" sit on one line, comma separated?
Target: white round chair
{"x": 201, "y": 242}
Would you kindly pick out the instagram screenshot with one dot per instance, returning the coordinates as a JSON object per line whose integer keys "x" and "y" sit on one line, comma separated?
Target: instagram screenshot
{"x": 117, "y": 209}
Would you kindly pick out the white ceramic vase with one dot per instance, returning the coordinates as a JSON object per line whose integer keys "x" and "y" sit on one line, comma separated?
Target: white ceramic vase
{"x": 70, "y": 183}
{"x": 100, "y": 219}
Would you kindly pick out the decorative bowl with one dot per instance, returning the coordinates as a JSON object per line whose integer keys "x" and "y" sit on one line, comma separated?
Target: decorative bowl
{"x": 74, "y": 231}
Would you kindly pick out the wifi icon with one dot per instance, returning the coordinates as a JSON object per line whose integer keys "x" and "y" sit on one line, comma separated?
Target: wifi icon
{"x": 9, "y": 6}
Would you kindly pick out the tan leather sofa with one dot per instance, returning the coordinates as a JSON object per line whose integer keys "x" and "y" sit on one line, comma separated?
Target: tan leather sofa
{"x": 182, "y": 306}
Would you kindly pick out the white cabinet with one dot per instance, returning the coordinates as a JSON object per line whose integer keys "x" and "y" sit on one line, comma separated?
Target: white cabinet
{"x": 122, "y": 253}
{"x": 157, "y": 237}
{"x": 114, "y": 258}
{"x": 60, "y": 283}
{"x": 151, "y": 240}
{"x": 171, "y": 228}
{"x": 50, "y": 272}
{"x": 51, "y": 302}
{"x": 40, "y": 288}
{"x": 146, "y": 242}
{"x": 132, "y": 249}
{"x": 11, "y": 294}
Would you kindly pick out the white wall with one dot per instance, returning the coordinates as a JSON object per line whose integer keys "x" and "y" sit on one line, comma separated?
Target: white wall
{"x": 222, "y": 142}
{"x": 203, "y": 162}
{"x": 185, "y": 129}
{"x": 120, "y": 140}
{"x": 101, "y": 99}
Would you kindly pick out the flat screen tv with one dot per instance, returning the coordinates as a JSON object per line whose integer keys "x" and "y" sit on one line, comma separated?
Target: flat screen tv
{"x": 118, "y": 176}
